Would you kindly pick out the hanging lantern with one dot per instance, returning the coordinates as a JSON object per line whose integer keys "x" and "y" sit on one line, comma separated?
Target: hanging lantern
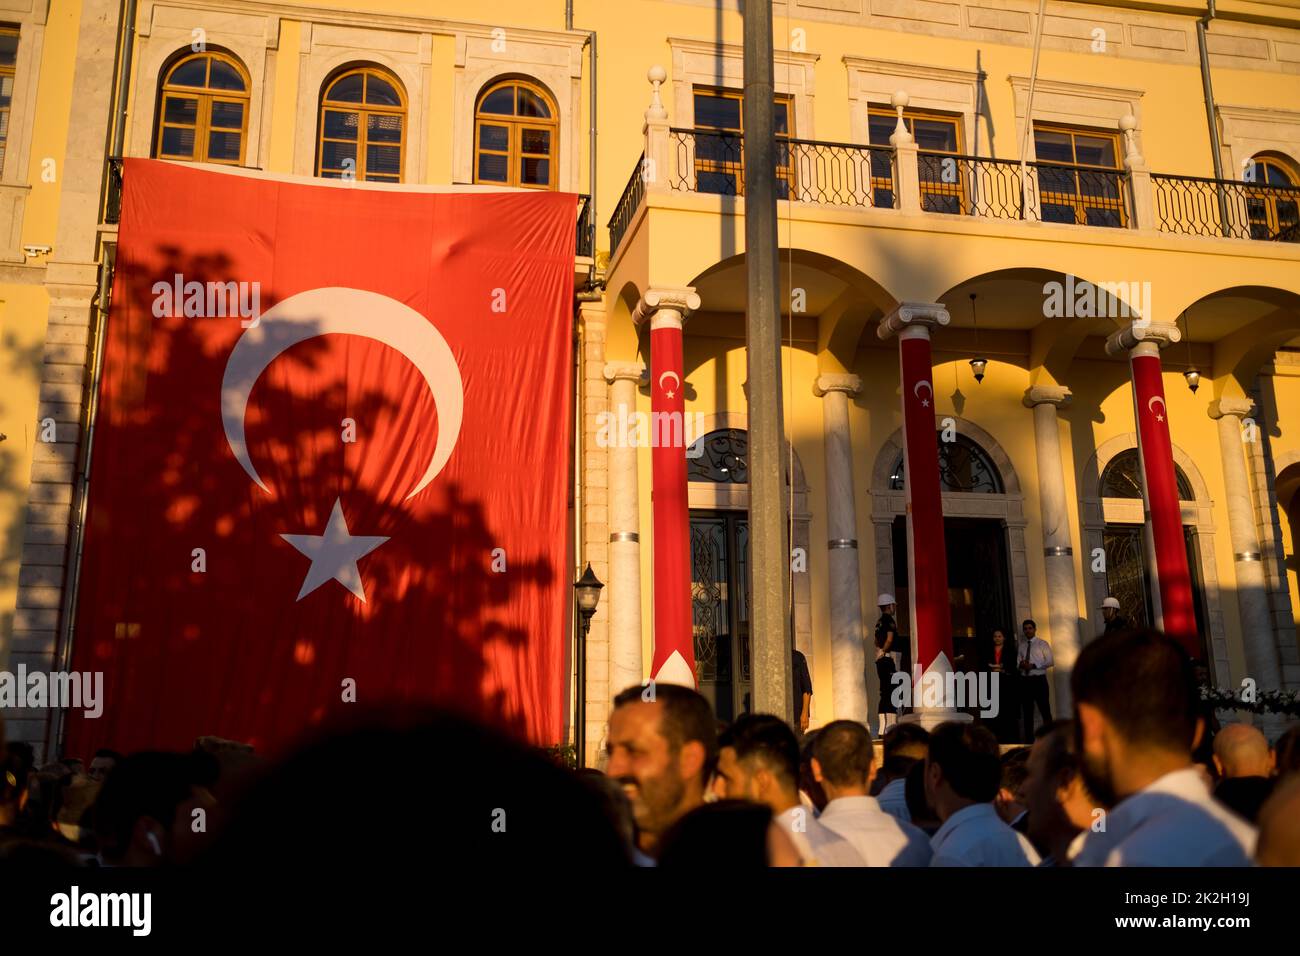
{"x": 979, "y": 363}
{"x": 1193, "y": 374}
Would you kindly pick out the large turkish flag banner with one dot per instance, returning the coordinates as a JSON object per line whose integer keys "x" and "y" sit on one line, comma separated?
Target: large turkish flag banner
{"x": 361, "y": 495}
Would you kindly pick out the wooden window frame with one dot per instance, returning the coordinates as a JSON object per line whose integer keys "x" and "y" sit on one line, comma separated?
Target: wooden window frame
{"x": 515, "y": 126}
{"x": 206, "y": 97}
{"x": 1267, "y": 196}
{"x": 928, "y": 187}
{"x": 1078, "y": 199}
{"x": 12, "y": 73}
{"x": 364, "y": 111}
{"x": 785, "y": 172}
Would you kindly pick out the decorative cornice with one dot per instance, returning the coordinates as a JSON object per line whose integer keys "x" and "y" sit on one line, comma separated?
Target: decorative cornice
{"x": 913, "y": 314}
{"x": 1235, "y": 407}
{"x": 1057, "y": 395}
{"x": 683, "y": 301}
{"x": 1134, "y": 334}
{"x": 849, "y": 384}
{"x": 1089, "y": 90}
{"x": 737, "y": 51}
{"x": 624, "y": 372}
{"x": 918, "y": 71}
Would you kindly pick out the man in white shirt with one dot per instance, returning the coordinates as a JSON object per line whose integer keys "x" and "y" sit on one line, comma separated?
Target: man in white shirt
{"x": 904, "y": 746}
{"x": 1138, "y": 722}
{"x": 758, "y": 760}
{"x": 843, "y": 763}
{"x": 1033, "y": 658}
{"x": 962, "y": 775}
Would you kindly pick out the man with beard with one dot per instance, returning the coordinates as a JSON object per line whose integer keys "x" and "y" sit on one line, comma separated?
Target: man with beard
{"x": 663, "y": 744}
{"x": 1057, "y": 805}
{"x": 1137, "y": 723}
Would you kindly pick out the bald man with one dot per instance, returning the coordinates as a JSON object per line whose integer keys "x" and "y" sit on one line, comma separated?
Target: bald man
{"x": 1279, "y": 825}
{"x": 1245, "y": 766}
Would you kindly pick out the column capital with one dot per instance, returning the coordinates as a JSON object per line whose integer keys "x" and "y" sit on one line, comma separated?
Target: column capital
{"x": 624, "y": 371}
{"x": 1236, "y": 407}
{"x": 1134, "y": 335}
{"x": 922, "y": 316}
{"x": 1057, "y": 395}
{"x": 678, "y": 302}
{"x": 849, "y": 384}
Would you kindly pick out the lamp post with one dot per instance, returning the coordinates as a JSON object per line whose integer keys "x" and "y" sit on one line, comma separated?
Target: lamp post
{"x": 587, "y": 592}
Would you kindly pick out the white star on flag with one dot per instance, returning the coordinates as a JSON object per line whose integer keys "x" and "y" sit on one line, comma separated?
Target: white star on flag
{"x": 334, "y": 554}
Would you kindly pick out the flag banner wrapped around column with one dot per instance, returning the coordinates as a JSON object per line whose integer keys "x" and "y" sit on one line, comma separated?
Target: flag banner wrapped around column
{"x": 331, "y": 459}
{"x": 674, "y": 643}
{"x": 1175, "y": 583}
{"x": 930, "y": 611}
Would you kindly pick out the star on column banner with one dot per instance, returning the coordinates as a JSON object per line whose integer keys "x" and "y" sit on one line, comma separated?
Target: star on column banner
{"x": 334, "y": 554}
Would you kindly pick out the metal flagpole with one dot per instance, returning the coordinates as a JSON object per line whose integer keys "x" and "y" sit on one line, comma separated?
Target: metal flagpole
{"x": 770, "y": 550}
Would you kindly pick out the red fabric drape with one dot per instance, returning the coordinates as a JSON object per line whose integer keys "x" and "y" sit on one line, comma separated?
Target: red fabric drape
{"x": 1175, "y": 581}
{"x": 674, "y": 644}
{"x": 930, "y": 612}
{"x": 466, "y": 603}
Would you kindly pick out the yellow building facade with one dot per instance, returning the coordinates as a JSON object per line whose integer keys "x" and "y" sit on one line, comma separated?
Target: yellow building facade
{"x": 924, "y": 162}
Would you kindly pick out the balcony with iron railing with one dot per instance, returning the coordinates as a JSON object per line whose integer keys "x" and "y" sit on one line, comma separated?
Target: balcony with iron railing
{"x": 905, "y": 179}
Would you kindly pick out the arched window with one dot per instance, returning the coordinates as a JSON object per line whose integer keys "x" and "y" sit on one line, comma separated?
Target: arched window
{"x": 963, "y": 466}
{"x": 362, "y": 127}
{"x": 1123, "y": 478}
{"x": 722, "y": 457}
{"x": 1274, "y": 206}
{"x": 515, "y": 133}
{"x": 203, "y": 110}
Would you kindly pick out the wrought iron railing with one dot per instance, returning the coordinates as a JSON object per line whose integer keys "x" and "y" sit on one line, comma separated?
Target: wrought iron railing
{"x": 811, "y": 171}
{"x": 976, "y": 186}
{"x": 586, "y": 236}
{"x": 628, "y": 204}
{"x": 1082, "y": 195}
{"x": 1194, "y": 206}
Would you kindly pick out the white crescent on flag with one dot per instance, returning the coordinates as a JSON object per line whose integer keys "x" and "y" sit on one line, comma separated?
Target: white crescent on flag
{"x": 916, "y": 390}
{"x": 1151, "y": 403}
{"x": 336, "y": 310}
{"x": 677, "y": 381}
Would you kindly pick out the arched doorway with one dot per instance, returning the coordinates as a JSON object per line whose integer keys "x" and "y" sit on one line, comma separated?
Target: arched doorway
{"x": 1118, "y": 548}
{"x": 717, "y": 474}
{"x": 984, "y": 536}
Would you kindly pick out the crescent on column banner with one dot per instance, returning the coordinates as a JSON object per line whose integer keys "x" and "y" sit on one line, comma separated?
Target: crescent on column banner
{"x": 677, "y": 379}
{"x": 916, "y": 389}
{"x": 336, "y": 310}
{"x": 1151, "y": 404}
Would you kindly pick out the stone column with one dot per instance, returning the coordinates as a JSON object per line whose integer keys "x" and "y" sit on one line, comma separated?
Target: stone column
{"x": 848, "y": 682}
{"x": 1058, "y": 553}
{"x": 1142, "y": 341}
{"x": 1252, "y": 592}
{"x": 929, "y": 607}
{"x": 624, "y": 528}
{"x": 907, "y": 176}
{"x": 674, "y": 645}
{"x": 1141, "y": 193}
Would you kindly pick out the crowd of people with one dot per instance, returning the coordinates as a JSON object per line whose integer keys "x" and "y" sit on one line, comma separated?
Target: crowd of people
{"x": 1118, "y": 783}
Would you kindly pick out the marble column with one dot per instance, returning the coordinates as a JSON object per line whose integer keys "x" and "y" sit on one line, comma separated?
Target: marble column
{"x": 848, "y": 682}
{"x": 1252, "y": 592}
{"x": 1141, "y": 341}
{"x": 666, "y": 310}
{"x": 625, "y": 667}
{"x": 1058, "y": 552}
{"x": 930, "y": 611}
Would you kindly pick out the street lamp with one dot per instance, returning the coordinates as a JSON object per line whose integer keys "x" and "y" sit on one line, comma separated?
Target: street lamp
{"x": 587, "y": 592}
{"x": 1193, "y": 374}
